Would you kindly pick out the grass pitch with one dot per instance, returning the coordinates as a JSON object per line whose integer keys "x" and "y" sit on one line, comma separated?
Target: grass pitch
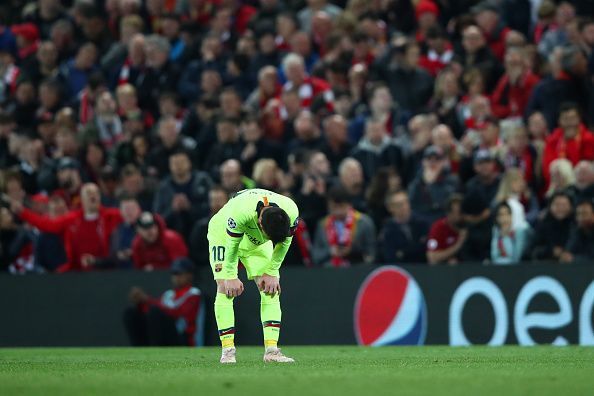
{"x": 336, "y": 371}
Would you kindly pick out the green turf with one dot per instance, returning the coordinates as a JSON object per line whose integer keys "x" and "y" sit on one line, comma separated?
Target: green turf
{"x": 336, "y": 371}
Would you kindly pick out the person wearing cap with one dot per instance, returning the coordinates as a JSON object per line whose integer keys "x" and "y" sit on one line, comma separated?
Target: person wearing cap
{"x": 155, "y": 246}
{"x": 86, "y": 231}
{"x": 27, "y": 39}
{"x": 486, "y": 181}
{"x": 69, "y": 180}
{"x": 432, "y": 185}
{"x": 426, "y": 13}
{"x": 177, "y": 318}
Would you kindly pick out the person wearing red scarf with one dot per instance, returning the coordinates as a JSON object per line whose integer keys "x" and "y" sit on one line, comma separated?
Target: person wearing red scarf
{"x": 514, "y": 88}
{"x": 27, "y": 38}
{"x": 571, "y": 140}
{"x": 344, "y": 237}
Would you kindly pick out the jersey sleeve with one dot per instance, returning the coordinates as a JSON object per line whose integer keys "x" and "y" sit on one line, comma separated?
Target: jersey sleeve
{"x": 281, "y": 249}
{"x": 235, "y": 226}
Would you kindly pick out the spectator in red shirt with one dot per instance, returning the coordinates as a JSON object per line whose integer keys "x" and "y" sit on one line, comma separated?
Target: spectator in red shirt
{"x": 439, "y": 51}
{"x": 570, "y": 140}
{"x": 174, "y": 319}
{"x": 447, "y": 235}
{"x": 155, "y": 246}
{"x": 514, "y": 88}
{"x": 86, "y": 231}
{"x": 308, "y": 87}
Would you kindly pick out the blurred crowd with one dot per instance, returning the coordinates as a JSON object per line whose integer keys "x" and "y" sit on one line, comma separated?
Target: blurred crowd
{"x": 407, "y": 131}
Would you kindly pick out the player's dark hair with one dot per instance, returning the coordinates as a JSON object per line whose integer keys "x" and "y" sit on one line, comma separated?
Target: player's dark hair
{"x": 276, "y": 224}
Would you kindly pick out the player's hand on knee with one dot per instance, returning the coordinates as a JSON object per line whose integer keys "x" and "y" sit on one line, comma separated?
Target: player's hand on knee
{"x": 269, "y": 284}
{"x": 233, "y": 287}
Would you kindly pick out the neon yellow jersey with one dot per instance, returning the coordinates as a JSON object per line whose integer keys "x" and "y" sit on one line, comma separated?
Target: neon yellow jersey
{"x": 241, "y": 213}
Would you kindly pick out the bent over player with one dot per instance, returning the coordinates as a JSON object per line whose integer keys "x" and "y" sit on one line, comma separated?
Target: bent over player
{"x": 256, "y": 227}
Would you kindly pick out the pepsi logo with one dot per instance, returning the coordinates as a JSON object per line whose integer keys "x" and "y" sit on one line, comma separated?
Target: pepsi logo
{"x": 390, "y": 309}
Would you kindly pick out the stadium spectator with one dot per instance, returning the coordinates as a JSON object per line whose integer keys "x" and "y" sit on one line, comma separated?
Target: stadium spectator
{"x": 120, "y": 247}
{"x": 487, "y": 179}
{"x": 350, "y": 177}
{"x": 446, "y": 99}
{"x": 447, "y": 235}
{"x": 48, "y": 248}
{"x": 309, "y": 88}
{"x": 172, "y": 320}
{"x": 562, "y": 178}
{"x": 155, "y": 246}
{"x": 439, "y": 52}
{"x": 571, "y": 140}
{"x": 232, "y": 178}
{"x": 487, "y": 17}
{"x": 514, "y": 88}
{"x": 474, "y": 53}
{"x": 336, "y": 144}
{"x": 410, "y": 85}
{"x": 162, "y": 74}
{"x": 181, "y": 198}
{"x": 566, "y": 84}
{"x": 514, "y": 191}
{"x": 70, "y": 181}
{"x": 552, "y": 232}
{"x": 580, "y": 245}
{"x": 313, "y": 185}
{"x": 432, "y": 186}
{"x": 306, "y": 14}
{"x": 86, "y": 231}
{"x": 442, "y": 137}
{"x": 257, "y": 147}
{"x": 106, "y": 126}
{"x": 509, "y": 242}
{"x": 371, "y": 146}
{"x": 344, "y": 237}
{"x": 307, "y": 133}
{"x": 584, "y": 179}
{"x": 170, "y": 141}
{"x": 76, "y": 72}
{"x": 403, "y": 238}
{"x": 134, "y": 184}
{"x": 227, "y": 146}
{"x": 476, "y": 214}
